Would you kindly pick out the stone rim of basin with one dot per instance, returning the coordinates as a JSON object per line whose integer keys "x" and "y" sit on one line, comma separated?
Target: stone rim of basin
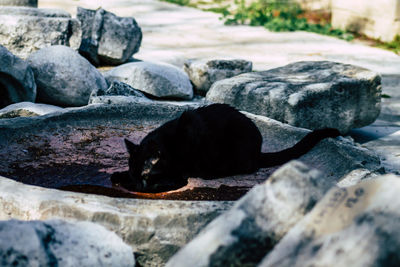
{"x": 156, "y": 113}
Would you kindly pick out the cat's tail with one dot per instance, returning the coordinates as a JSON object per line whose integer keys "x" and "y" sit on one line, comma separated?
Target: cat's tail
{"x": 299, "y": 149}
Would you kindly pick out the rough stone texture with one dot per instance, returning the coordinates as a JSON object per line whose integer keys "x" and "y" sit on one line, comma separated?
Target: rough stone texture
{"x": 117, "y": 93}
{"x": 30, "y": 29}
{"x": 355, "y": 226}
{"x": 163, "y": 226}
{"x": 244, "y": 234}
{"x": 204, "y": 72}
{"x": 28, "y": 109}
{"x": 154, "y": 229}
{"x": 339, "y": 159}
{"x": 17, "y": 82}
{"x": 34, "y": 12}
{"x": 64, "y": 77}
{"x": 30, "y": 3}
{"x": 60, "y": 243}
{"x": 107, "y": 38}
{"x": 156, "y": 79}
{"x": 118, "y": 88}
{"x": 117, "y": 99}
{"x": 311, "y": 95}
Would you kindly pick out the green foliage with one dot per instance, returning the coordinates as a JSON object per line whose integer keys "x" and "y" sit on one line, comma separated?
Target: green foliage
{"x": 277, "y": 15}
{"x": 393, "y": 45}
{"x": 179, "y": 2}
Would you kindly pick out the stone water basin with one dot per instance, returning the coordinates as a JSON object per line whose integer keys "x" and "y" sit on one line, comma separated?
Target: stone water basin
{"x": 79, "y": 150}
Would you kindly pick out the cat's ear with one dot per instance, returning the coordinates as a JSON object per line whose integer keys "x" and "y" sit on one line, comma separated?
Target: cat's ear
{"x": 131, "y": 147}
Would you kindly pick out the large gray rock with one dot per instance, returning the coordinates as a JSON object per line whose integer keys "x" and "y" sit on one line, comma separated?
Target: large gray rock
{"x": 156, "y": 79}
{"x": 28, "y": 109}
{"x": 30, "y": 29}
{"x": 311, "y": 95}
{"x": 118, "y": 88}
{"x": 64, "y": 77}
{"x": 204, "y": 72}
{"x": 154, "y": 230}
{"x": 244, "y": 234}
{"x": 60, "y": 243}
{"x": 339, "y": 158}
{"x": 17, "y": 82}
{"x": 117, "y": 93}
{"x": 30, "y": 3}
{"x": 258, "y": 221}
{"x": 355, "y": 226}
{"x": 107, "y": 38}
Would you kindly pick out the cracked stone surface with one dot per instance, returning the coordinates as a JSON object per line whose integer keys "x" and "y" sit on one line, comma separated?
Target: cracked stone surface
{"x": 61, "y": 243}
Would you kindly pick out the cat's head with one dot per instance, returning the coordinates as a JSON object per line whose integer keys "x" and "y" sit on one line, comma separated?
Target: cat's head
{"x": 150, "y": 169}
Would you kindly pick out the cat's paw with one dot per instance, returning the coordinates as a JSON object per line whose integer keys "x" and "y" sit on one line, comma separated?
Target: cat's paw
{"x": 119, "y": 177}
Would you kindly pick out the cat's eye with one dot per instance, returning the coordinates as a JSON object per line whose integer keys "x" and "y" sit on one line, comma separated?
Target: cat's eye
{"x": 154, "y": 160}
{"x": 149, "y": 165}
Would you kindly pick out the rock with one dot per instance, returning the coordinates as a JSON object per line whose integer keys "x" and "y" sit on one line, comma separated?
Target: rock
{"x": 17, "y": 82}
{"x": 30, "y": 3}
{"x": 30, "y": 29}
{"x": 117, "y": 93}
{"x": 27, "y": 109}
{"x": 117, "y": 100}
{"x": 153, "y": 229}
{"x": 203, "y": 73}
{"x": 156, "y": 79}
{"x": 60, "y": 243}
{"x": 107, "y": 38}
{"x": 34, "y": 12}
{"x": 355, "y": 226}
{"x": 339, "y": 159}
{"x": 118, "y": 89}
{"x": 311, "y": 95}
{"x": 244, "y": 234}
{"x": 64, "y": 77}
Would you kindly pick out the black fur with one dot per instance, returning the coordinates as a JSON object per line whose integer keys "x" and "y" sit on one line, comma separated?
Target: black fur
{"x": 207, "y": 142}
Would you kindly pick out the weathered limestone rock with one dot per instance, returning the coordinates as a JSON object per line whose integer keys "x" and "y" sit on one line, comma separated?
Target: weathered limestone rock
{"x": 17, "y": 82}
{"x": 339, "y": 159}
{"x": 27, "y": 109}
{"x": 156, "y": 79}
{"x": 107, "y": 38}
{"x": 118, "y": 88}
{"x": 60, "y": 243}
{"x": 117, "y": 100}
{"x": 64, "y": 77}
{"x": 203, "y": 73}
{"x": 155, "y": 230}
{"x": 30, "y": 29}
{"x": 117, "y": 93}
{"x": 30, "y": 3}
{"x": 244, "y": 234}
{"x": 311, "y": 95}
{"x": 355, "y": 226}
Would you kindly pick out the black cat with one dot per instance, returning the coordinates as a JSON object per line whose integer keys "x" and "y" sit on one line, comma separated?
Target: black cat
{"x": 208, "y": 142}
